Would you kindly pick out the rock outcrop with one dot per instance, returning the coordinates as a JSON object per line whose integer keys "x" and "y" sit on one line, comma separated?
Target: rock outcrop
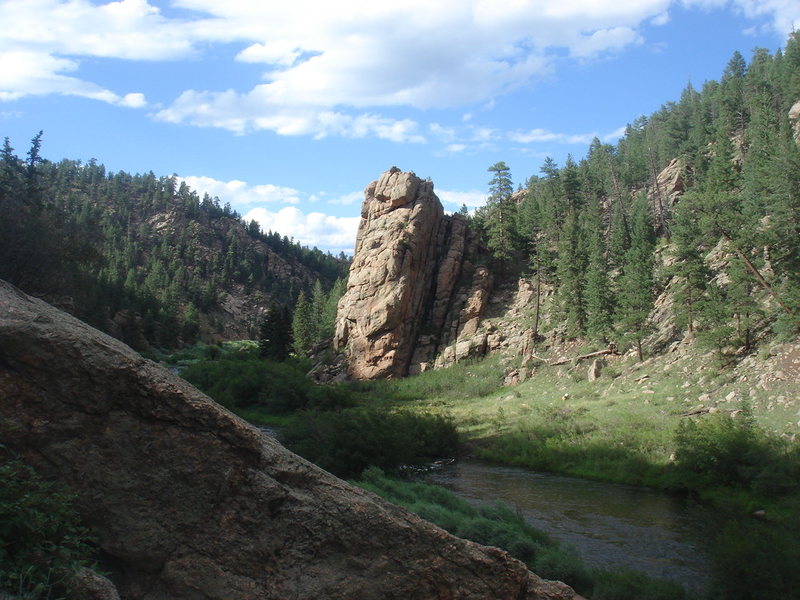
{"x": 189, "y": 502}
{"x": 669, "y": 186}
{"x": 416, "y": 280}
{"x": 794, "y": 119}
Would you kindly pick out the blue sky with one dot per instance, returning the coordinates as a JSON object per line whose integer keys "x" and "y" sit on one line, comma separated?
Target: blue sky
{"x": 287, "y": 110}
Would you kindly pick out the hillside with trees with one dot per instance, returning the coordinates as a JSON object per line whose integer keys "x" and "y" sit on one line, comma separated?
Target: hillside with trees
{"x": 607, "y": 238}
{"x": 144, "y": 257}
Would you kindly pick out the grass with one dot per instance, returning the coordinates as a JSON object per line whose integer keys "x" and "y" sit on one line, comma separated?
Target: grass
{"x": 631, "y": 426}
{"x": 498, "y": 525}
{"x": 621, "y": 427}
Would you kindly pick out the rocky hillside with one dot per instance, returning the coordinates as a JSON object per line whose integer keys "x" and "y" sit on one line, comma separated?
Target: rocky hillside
{"x": 189, "y": 502}
{"x": 687, "y": 228}
{"x": 145, "y": 258}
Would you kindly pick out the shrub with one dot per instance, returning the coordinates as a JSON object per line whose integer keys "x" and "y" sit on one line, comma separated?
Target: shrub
{"x": 756, "y": 560}
{"x": 41, "y": 541}
{"x": 348, "y": 441}
{"x": 632, "y": 585}
{"x": 275, "y": 387}
{"x": 721, "y": 451}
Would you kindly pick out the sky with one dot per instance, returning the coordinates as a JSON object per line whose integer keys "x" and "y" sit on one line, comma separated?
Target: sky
{"x": 287, "y": 110}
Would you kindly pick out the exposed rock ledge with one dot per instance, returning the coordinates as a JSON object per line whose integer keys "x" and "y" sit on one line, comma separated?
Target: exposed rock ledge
{"x": 188, "y": 501}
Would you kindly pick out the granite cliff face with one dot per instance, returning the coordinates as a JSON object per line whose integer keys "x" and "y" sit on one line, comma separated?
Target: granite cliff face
{"x": 417, "y": 281}
{"x": 189, "y": 502}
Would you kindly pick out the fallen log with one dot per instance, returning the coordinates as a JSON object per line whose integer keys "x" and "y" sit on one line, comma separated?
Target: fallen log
{"x": 582, "y": 357}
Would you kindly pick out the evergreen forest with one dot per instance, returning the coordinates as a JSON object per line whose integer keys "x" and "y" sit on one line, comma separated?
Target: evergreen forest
{"x": 144, "y": 257}
{"x": 607, "y": 236}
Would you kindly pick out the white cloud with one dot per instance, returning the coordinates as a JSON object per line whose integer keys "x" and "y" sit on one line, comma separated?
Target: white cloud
{"x": 330, "y": 68}
{"x": 26, "y": 73}
{"x": 240, "y": 193}
{"x": 543, "y": 135}
{"x": 614, "y": 135}
{"x": 348, "y": 199}
{"x": 283, "y": 53}
{"x": 243, "y": 113}
{"x": 326, "y": 232}
{"x": 325, "y": 63}
{"x": 661, "y": 19}
{"x": 453, "y": 200}
{"x": 783, "y": 15}
{"x": 606, "y": 40}
{"x": 127, "y": 29}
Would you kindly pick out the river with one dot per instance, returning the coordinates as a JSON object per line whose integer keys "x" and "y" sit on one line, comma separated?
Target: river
{"x": 611, "y": 525}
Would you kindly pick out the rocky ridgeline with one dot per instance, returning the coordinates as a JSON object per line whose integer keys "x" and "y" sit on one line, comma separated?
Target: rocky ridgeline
{"x": 418, "y": 282}
{"x": 189, "y": 502}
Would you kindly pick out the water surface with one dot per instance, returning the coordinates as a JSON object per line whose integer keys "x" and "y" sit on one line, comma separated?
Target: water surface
{"x": 611, "y": 525}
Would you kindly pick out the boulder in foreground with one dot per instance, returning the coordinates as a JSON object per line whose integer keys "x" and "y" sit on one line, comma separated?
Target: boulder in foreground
{"x": 188, "y": 501}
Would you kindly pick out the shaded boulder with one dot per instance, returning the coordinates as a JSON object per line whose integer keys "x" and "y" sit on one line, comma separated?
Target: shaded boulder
{"x": 189, "y": 502}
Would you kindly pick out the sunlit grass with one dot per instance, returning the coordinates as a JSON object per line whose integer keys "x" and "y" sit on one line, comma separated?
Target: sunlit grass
{"x": 620, "y": 427}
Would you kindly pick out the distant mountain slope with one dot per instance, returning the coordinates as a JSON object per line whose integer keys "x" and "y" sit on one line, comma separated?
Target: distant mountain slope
{"x": 144, "y": 257}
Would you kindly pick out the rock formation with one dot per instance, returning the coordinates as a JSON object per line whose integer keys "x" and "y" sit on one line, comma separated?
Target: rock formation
{"x": 794, "y": 119}
{"x": 189, "y": 502}
{"x": 416, "y": 280}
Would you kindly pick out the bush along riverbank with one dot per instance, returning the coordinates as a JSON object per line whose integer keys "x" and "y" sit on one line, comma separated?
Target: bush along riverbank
{"x": 341, "y": 428}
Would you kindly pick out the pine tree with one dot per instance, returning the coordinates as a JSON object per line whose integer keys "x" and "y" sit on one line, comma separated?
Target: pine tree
{"x": 571, "y": 271}
{"x": 689, "y": 266}
{"x": 500, "y": 214}
{"x": 275, "y": 333}
{"x": 304, "y": 330}
{"x": 636, "y": 285}
{"x": 328, "y": 318}
{"x": 599, "y": 298}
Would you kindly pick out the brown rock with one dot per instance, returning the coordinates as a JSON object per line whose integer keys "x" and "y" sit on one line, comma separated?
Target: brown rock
{"x": 408, "y": 260}
{"x": 90, "y": 585}
{"x": 596, "y": 368}
{"x": 669, "y": 186}
{"x": 188, "y": 501}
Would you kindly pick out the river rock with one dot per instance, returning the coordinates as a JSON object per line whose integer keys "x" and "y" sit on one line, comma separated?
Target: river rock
{"x": 187, "y": 501}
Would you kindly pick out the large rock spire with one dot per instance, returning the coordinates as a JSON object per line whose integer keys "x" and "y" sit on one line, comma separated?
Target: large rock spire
{"x": 409, "y": 258}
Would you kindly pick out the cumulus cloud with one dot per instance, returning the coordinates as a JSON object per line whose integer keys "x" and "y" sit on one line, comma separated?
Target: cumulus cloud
{"x": 324, "y": 64}
{"x": 240, "y": 193}
{"x": 543, "y": 135}
{"x": 326, "y": 232}
{"x": 26, "y": 73}
{"x": 332, "y": 69}
{"x": 783, "y": 16}
{"x": 127, "y": 29}
{"x": 243, "y": 113}
{"x": 347, "y": 199}
{"x": 41, "y": 40}
{"x": 453, "y": 200}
